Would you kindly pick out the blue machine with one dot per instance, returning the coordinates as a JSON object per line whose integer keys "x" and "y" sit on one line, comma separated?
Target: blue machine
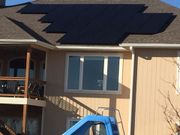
{"x": 175, "y": 3}
{"x": 6, "y": 3}
{"x": 83, "y": 126}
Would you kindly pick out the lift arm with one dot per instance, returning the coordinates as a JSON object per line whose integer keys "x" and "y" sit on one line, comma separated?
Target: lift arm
{"x": 84, "y": 125}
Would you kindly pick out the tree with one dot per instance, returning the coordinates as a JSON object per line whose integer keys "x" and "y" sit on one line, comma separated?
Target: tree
{"x": 172, "y": 114}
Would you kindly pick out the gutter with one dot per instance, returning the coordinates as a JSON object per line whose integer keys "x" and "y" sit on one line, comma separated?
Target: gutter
{"x": 91, "y": 48}
{"x": 17, "y": 41}
{"x": 62, "y": 47}
{"x": 25, "y": 42}
{"x": 131, "y": 91}
{"x": 150, "y": 45}
{"x": 45, "y": 45}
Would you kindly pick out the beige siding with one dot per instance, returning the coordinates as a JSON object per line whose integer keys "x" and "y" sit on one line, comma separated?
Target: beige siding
{"x": 61, "y": 105}
{"x": 156, "y": 72}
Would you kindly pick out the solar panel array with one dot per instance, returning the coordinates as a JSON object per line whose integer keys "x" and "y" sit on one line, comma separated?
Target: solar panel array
{"x": 98, "y": 24}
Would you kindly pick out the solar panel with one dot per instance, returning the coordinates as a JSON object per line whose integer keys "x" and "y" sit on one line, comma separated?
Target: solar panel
{"x": 156, "y": 23}
{"x": 137, "y": 22}
{"x": 53, "y": 15}
{"x": 106, "y": 28}
{"x": 98, "y": 24}
{"x": 80, "y": 20}
{"x": 66, "y": 16}
{"x": 37, "y": 9}
{"x": 83, "y": 20}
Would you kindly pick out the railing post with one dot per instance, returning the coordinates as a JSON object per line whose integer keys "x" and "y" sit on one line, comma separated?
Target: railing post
{"x": 25, "y": 107}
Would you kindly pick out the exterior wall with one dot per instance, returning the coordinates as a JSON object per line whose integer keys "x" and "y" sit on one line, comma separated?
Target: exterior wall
{"x": 62, "y": 105}
{"x": 156, "y": 73}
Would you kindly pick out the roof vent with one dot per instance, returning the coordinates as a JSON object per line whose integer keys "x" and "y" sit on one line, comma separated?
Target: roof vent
{"x": 7, "y": 3}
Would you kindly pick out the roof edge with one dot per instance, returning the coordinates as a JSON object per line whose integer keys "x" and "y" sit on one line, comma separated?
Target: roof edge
{"x": 26, "y": 41}
{"x": 17, "y": 41}
{"x": 150, "y": 45}
{"x": 92, "y": 48}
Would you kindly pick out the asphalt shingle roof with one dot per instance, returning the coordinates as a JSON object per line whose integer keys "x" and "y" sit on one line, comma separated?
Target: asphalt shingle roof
{"x": 18, "y": 22}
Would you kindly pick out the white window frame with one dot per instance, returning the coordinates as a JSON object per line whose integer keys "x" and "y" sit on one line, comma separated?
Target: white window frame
{"x": 178, "y": 74}
{"x": 104, "y": 91}
{"x": 68, "y": 121}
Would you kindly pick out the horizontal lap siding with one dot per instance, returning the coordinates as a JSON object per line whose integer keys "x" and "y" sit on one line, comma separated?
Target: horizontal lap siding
{"x": 60, "y": 105}
{"x": 156, "y": 72}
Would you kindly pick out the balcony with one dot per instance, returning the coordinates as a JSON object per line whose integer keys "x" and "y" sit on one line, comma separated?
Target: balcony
{"x": 22, "y": 69}
{"x": 12, "y": 91}
{"x": 21, "y": 73}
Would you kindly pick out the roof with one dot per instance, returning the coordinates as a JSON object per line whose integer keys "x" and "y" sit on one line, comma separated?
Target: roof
{"x": 92, "y": 22}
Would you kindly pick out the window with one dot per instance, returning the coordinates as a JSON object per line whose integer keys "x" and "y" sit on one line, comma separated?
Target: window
{"x": 42, "y": 71}
{"x": 93, "y": 73}
{"x": 17, "y": 67}
{"x": 178, "y": 74}
{"x": 71, "y": 122}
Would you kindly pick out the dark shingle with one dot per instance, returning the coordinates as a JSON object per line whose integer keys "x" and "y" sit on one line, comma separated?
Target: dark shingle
{"x": 8, "y": 30}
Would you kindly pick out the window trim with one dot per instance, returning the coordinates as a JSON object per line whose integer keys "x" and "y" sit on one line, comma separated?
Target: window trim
{"x": 178, "y": 74}
{"x": 68, "y": 121}
{"x": 104, "y": 91}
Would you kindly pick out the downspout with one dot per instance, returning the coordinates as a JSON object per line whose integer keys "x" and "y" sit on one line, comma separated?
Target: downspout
{"x": 131, "y": 91}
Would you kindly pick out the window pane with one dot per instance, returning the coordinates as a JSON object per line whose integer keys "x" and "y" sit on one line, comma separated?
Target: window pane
{"x": 73, "y": 122}
{"x": 113, "y": 73}
{"x": 42, "y": 71}
{"x": 18, "y": 67}
{"x": 93, "y": 73}
{"x": 20, "y": 72}
{"x": 73, "y": 72}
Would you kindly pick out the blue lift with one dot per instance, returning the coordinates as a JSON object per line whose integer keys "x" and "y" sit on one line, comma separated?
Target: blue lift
{"x": 84, "y": 125}
{"x": 109, "y": 124}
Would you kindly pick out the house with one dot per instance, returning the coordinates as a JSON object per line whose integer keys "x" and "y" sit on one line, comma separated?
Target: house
{"x": 61, "y": 60}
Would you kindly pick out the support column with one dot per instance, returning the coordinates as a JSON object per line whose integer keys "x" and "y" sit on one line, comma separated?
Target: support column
{"x": 24, "y": 119}
{"x": 25, "y": 107}
{"x": 28, "y": 58}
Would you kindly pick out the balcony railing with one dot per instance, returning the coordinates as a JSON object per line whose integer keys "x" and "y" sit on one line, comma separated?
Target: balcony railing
{"x": 14, "y": 87}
